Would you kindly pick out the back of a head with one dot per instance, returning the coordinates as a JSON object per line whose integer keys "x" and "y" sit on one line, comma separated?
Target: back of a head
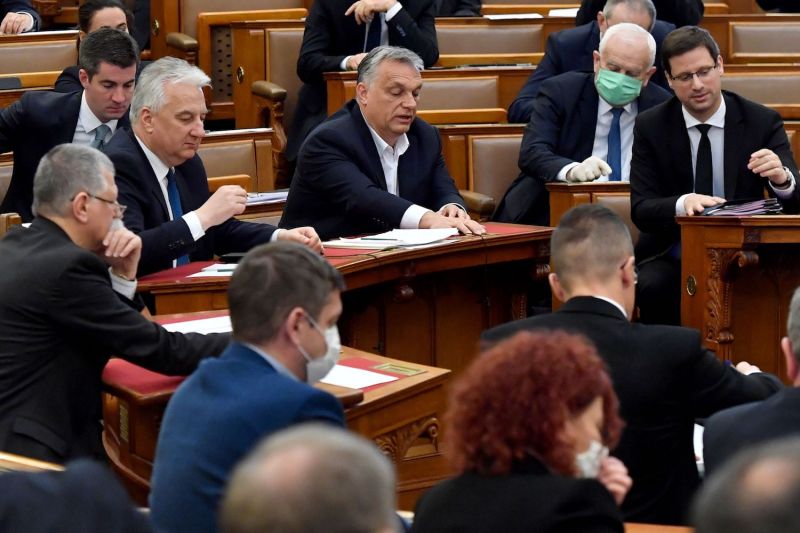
{"x": 757, "y": 491}
{"x": 273, "y": 279}
{"x": 590, "y": 243}
{"x": 645, "y": 6}
{"x": 311, "y": 479}
{"x": 107, "y": 45}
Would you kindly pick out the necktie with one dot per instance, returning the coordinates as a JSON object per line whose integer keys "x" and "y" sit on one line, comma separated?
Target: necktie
{"x": 615, "y": 146}
{"x": 703, "y": 171}
{"x": 175, "y": 205}
{"x": 100, "y": 133}
{"x": 374, "y": 33}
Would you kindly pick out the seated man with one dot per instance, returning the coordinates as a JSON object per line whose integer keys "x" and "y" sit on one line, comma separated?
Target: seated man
{"x": 737, "y": 428}
{"x": 756, "y": 492}
{"x": 284, "y": 304}
{"x": 677, "y": 12}
{"x": 372, "y": 166}
{"x": 696, "y": 150}
{"x": 163, "y": 182}
{"x": 64, "y": 312}
{"x": 663, "y": 375}
{"x": 350, "y": 482}
{"x": 18, "y": 16}
{"x": 458, "y": 8}
{"x": 338, "y": 34}
{"x": 573, "y": 49}
{"x": 41, "y": 120}
{"x": 582, "y": 124}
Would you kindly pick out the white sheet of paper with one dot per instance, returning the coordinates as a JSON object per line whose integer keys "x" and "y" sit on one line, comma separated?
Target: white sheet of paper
{"x": 394, "y": 238}
{"x": 514, "y": 16}
{"x": 698, "y": 449}
{"x": 220, "y": 267}
{"x": 355, "y": 378}
{"x": 220, "y": 324}
{"x": 212, "y": 274}
{"x": 563, "y": 12}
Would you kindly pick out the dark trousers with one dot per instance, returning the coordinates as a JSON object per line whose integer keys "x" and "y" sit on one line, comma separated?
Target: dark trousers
{"x": 658, "y": 292}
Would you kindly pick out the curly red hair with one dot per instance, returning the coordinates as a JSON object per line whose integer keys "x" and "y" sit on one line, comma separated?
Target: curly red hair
{"x": 514, "y": 400}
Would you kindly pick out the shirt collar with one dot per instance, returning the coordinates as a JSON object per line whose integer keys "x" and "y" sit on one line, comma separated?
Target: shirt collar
{"x": 89, "y": 121}
{"x": 400, "y": 146}
{"x": 717, "y": 119}
{"x": 158, "y": 166}
{"x": 614, "y": 303}
{"x": 604, "y": 107}
{"x": 277, "y": 365}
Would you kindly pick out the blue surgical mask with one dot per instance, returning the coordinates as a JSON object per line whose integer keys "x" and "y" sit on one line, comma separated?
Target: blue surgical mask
{"x": 616, "y": 88}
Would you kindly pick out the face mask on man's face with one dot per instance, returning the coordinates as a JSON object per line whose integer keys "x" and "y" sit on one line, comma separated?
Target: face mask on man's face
{"x": 617, "y": 89}
{"x": 318, "y": 368}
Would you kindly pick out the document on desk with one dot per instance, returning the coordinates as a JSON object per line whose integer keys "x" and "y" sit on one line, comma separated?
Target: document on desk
{"x": 219, "y": 324}
{"x": 355, "y": 378}
{"x": 217, "y": 270}
{"x": 395, "y": 238}
{"x": 513, "y": 16}
{"x": 273, "y": 197}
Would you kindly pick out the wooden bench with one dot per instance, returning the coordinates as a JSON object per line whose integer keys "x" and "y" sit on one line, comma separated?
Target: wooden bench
{"x": 777, "y": 90}
{"x": 57, "y": 12}
{"x": 456, "y": 142}
{"x": 764, "y": 42}
{"x": 722, "y": 27}
{"x": 467, "y": 44}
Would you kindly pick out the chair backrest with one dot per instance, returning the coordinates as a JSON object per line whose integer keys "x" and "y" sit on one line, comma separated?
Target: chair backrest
{"x": 190, "y": 9}
{"x": 461, "y": 100}
{"x": 38, "y": 52}
{"x": 7, "y": 221}
{"x": 492, "y": 163}
{"x": 764, "y": 42}
{"x": 240, "y": 153}
{"x": 620, "y": 203}
{"x": 283, "y": 49}
{"x": 472, "y": 44}
{"x": 767, "y": 88}
{"x": 242, "y": 180}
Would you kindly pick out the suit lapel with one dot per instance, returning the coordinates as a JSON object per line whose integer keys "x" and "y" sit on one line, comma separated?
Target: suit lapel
{"x": 373, "y": 160}
{"x": 732, "y": 146}
{"x": 65, "y": 132}
{"x": 678, "y": 146}
{"x": 151, "y": 180}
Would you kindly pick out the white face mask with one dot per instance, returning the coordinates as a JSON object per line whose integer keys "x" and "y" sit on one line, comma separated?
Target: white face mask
{"x": 316, "y": 369}
{"x": 588, "y": 462}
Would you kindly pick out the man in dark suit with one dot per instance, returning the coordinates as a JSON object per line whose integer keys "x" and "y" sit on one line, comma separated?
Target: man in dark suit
{"x": 284, "y": 303}
{"x": 574, "y": 49}
{"x": 64, "y": 312}
{"x": 18, "y": 16}
{"x": 572, "y": 136}
{"x": 372, "y": 166}
{"x": 663, "y": 375}
{"x": 677, "y": 12}
{"x": 698, "y": 149}
{"x": 338, "y": 35}
{"x": 780, "y": 6}
{"x": 41, "y": 120}
{"x": 163, "y": 182}
{"x": 458, "y": 8}
{"x": 737, "y": 428}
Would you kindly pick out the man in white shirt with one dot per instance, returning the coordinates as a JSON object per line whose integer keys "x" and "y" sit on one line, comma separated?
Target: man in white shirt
{"x": 698, "y": 149}
{"x": 41, "y": 120}
{"x": 373, "y": 166}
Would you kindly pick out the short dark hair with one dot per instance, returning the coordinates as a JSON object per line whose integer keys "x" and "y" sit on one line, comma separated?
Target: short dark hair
{"x": 590, "y": 240}
{"x": 87, "y": 10}
{"x": 107, "y": 45}
{"x": 273, "y": 279}
{"x": 686, "y": 39}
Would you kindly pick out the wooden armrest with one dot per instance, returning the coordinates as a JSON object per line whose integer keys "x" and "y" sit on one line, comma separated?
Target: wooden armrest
{"x": 242, "y": 180}
{"x": 268, "y": 90}
{"x": 478, "y": 205}
{"x": 181, "y": 41}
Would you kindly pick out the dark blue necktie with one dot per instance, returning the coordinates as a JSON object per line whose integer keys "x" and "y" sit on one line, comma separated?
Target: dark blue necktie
{"x": 703, "y": 170}
{"x": 175, "y": 205}
{"x": 615, "y": 146}
{"x": 374, "y": 33}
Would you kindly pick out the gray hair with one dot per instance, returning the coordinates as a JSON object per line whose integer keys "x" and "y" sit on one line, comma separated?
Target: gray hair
{"x": 369, "y": 65}
{"x": 793, "y": 324}
{"x": 630, "y": 30}
{"x": 153, "y": 79}
{"x": 755, "y": 492}
{"x": 636, "y": 5}
{"x": 311, "y": 478}
{"x": 65, "y": 171}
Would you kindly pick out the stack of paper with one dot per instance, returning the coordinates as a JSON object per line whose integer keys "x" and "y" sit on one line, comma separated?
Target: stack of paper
{"x": 395, "y": 238}
{"x": 736, "y": 208}
{"x": 355, "y": 378}
{"x": 513, "y": 16}
{"x": 274, "y": 197}
{"x": 220, "y": 324}
{"x": 216, "y": 270}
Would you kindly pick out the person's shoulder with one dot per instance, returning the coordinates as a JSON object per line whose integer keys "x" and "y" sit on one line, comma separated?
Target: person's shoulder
{"x": 121, "y": 145}
{"x": 571, "y": 81}
{"x": 675, "y": 342}
{"x": 661, "y": 29}
{"x": 49, "y": 103}
{"x": 730, "y": 419}
{"x": 576, "y": 35}
{"x": 659, "y": 111}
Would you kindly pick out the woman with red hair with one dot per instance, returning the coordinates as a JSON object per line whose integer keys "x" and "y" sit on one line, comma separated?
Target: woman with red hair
{"x": 528, "y": 426}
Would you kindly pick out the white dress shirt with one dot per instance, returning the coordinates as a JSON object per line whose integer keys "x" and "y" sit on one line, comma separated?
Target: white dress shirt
{"x": 88, "y": 122}
{"x": 384, "y": 17}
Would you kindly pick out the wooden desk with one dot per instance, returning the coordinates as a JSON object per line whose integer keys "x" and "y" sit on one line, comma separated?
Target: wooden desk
{"x": 633, "y": 527}
{"x": 738, "y": 275}
{"x": 402, "y": 417}
{"x": 427, "y": 306}
{"x": 565, "y": 196}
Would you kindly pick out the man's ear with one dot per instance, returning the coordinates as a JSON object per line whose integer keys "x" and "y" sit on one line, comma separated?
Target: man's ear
{"x": 648, "y": 75}
{"x": 361, "y": 93}
{"x": 555, "y": 286}
{"x": 292, "y": 324}
{"x": 80, "y": 207}
{"x": 788, "y": 356}
{"x": 83, "y": 76}
{"x": 146, "y": 119}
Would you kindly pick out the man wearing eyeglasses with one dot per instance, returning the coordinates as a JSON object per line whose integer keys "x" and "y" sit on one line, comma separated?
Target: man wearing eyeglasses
{"x": 68, "y": 304}
{"x": 698, "y": 149}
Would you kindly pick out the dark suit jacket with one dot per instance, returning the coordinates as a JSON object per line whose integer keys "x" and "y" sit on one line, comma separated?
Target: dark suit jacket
{"x": 30, "y": 127}
{"x": 241, "y": 399}
{"x": 87, "y": 497}
{"x": 561, "y": 131}
{"x": 782, "y": 6}
{"x": 339, "y": 187}
{"x": 60, "y": 321}
{"x": 664, "y": 379}
{"x": 661, "y": 165}
{"x": 330, "y": 36}
{"x": 458, "y": 8}
{"x": 531, "y": 498}
{"x": 569, "y": 50}
{"x": 69, "y": 80}
{"x": 741, "y": 427}
{"x": 677, "y": 12}
{"x": 20, "y": 6}
{"x": 164, "y": 240}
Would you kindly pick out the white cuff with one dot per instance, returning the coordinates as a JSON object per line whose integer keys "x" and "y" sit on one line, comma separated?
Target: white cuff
{"x": 562, "y": 174}
{"x": 412, "y": 216}
{"x": 193, "y": 221}
{"x": 343, "y": 64}
{"x": 787, "y": 192}
{"x": 125, "y": 287}
{"x": 392, "y": 11}
{"x": 680, "y": 209}
{"x": 275, "y": 235}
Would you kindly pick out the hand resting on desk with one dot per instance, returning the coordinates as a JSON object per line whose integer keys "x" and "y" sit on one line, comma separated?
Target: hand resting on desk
{"x": 451, "y": 216}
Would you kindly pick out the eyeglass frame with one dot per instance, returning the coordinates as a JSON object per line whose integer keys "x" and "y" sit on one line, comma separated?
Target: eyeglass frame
{"x": 688, "y": 77}
{"x": 119, "y": 208}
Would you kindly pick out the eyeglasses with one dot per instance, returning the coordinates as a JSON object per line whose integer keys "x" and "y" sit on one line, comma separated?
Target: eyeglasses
{"x": 687, "y": 77}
